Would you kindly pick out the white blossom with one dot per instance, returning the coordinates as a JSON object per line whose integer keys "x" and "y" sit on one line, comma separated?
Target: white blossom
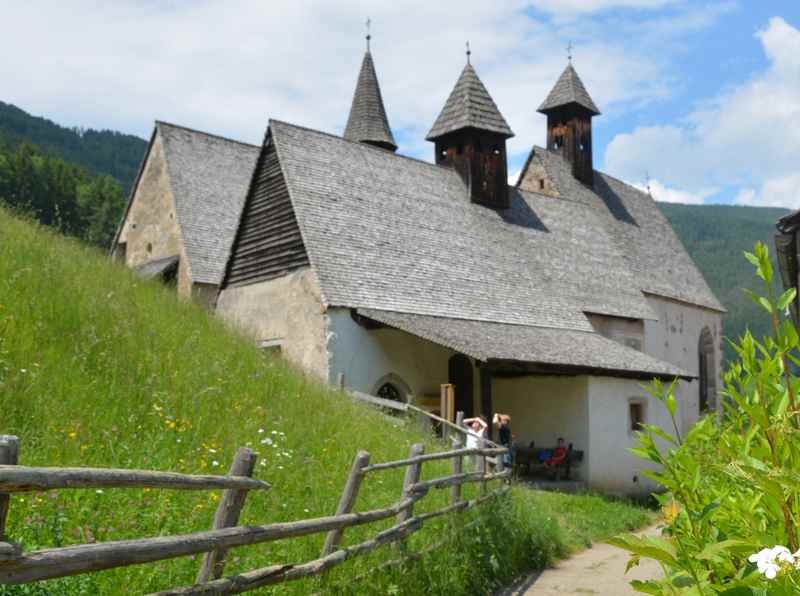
{"x": 770, "y": 560}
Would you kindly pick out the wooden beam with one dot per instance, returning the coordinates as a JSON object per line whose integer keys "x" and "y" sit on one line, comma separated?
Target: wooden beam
{"x": 9, "y": 456}
{"x": 486, "y": 397}
{"x": 21, "y": 479}
{"x": 347, "y": 500}
{"x": 227, "y": 515}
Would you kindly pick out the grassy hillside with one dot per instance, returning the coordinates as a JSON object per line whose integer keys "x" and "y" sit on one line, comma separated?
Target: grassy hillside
{"x": 99, "y": 151}
{"x": 98, "y": 368}
{"x": 716, "y": 236}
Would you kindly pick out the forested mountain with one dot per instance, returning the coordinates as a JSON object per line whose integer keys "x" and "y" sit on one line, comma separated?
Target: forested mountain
{"x": 59, "y": 193}
{"x": 99, "y": 151}
{"x": 716, "y": 236}
{"x": 68, "y": 178}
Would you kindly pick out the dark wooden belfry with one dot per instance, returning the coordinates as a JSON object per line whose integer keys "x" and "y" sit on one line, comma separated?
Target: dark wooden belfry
{"x": 569, "y": 110}
{"x": 470, "y": 134}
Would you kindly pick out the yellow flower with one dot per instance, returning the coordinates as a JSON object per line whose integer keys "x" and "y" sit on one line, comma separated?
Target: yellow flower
{"x": 671, "y": 511}
{"x": 72, "y": 434}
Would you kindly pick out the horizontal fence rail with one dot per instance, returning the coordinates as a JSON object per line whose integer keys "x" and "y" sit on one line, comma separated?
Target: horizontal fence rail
{"x": 18, "y": 567}
{"x": 22, "y": 479}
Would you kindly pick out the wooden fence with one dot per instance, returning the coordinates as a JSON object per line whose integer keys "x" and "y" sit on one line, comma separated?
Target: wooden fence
{"x": 18, "y": 567}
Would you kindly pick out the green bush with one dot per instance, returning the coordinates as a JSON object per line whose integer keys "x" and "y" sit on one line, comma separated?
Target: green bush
{"x": 733, "y": 483}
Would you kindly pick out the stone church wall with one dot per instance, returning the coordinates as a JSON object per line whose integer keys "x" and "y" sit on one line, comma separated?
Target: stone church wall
{"x": 285, "y": 311}
{"x": 150, "y": 231}
{"x": 675, "y": 338}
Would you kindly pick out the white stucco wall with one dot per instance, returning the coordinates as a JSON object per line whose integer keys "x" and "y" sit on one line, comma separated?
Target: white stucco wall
{"x": 675, "y": 338}
{"x": 542, "y": 409}
{"x": 613, "y": 468}
{"x": 365, "y": 356}
{"x": 287, "y": 310}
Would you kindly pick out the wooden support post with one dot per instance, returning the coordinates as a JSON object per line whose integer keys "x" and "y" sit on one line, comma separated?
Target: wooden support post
{"x": 412, "y": 477}
{"x": 486, "y": 397}
{"x": 482, "y": 466}
{"x": 455, "y": 494}
{"x": 347, "y": 500}
{"x": 9, "y": 456}
{"x": 227, "y": 515}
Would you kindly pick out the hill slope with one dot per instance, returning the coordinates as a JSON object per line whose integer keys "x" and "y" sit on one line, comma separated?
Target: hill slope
{"x": 99, "y": 151}
{"x": 716, "y": 236}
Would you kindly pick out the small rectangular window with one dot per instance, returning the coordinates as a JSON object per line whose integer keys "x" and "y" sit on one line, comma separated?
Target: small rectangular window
{"x": 636, "y": 416}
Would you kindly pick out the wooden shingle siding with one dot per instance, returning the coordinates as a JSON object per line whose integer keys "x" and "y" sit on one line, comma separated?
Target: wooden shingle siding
{"x": 268, "y": 243}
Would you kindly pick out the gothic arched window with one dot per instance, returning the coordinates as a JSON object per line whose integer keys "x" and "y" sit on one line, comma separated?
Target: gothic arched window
{"x": 389, "y": 391}
{"x": 707, "y": 372}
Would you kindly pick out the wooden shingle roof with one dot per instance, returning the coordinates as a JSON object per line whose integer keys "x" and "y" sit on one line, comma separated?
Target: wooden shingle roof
{"x": 568, "y": 89}
{"x": 469, "y": 106}
{"x": 367, "y": 122}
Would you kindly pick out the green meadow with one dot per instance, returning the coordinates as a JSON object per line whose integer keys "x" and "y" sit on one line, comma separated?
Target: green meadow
{"x": 100, "y": 368}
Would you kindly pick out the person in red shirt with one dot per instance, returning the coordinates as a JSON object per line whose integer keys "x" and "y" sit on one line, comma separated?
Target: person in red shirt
{"x": 559, "y": 455}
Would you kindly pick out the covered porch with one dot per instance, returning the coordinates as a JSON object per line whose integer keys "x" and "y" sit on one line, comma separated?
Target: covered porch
{"x": 554, "y": 383}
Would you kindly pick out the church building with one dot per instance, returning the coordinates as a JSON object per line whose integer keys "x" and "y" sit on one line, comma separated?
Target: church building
{"x": 553, "y": 300}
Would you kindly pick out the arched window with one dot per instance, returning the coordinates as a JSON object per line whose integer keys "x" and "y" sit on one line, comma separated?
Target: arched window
{"x": 389, "y": 391}
{"x": 707, "y": 372}
{"x": 392, "y": 387}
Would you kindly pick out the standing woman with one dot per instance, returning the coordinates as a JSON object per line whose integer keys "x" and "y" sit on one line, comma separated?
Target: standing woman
{"x": 477, "y": 430}
{"x": 504, "y": 436}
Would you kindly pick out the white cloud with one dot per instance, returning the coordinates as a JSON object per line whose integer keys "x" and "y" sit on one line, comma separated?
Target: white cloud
{"x": 227, "y": 67}
{"x": 783, "y": 191}
{"x": 573, "y": 7}
{"x": 748, "y": 138}
{"x": 668, "y": 194}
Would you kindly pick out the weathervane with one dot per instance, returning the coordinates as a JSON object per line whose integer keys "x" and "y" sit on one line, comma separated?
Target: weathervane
{"x": 569, "y": 52}
{"x": 369, "y": 22}
{"x": 468, "y": 52}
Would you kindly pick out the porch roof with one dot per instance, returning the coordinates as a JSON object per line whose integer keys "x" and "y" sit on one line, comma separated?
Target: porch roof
{"x": 558, "y": 350}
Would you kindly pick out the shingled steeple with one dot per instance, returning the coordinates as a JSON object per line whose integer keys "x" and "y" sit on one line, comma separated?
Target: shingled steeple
{"x": 367, "y": 122}
{"x": 569, "y": 110}
{"x": 470, "y": 135}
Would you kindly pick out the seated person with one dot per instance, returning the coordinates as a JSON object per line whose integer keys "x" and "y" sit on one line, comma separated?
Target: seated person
{"x": 559, "y": 455}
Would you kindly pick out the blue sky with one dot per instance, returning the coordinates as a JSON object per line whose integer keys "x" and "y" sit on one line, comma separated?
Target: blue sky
{"x": 705, "y": 96}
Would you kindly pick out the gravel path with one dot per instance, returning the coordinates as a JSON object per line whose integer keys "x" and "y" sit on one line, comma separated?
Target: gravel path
{"x": 597, "y": 570}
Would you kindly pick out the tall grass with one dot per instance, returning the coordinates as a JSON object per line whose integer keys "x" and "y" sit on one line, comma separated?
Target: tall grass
{"x": 98, "y": 368}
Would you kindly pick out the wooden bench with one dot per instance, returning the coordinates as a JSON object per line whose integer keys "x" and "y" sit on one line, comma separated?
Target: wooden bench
{"x": 528, "y": 459}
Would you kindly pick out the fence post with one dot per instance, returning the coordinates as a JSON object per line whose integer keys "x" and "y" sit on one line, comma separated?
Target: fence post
{"x": 412, "y": 477}
{"x": 455, "y": 493}
{"x": 347, "y": 500}
{"x": 227, "y": 515}
{"x": 482, "y": 465}
{"x": 9, "y": 456}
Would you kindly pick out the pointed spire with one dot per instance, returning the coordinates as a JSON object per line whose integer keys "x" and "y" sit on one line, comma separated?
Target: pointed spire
{"x": 569, "y": 89}
{"x": 469, "y": 106}
{"x": 367, "y": 122}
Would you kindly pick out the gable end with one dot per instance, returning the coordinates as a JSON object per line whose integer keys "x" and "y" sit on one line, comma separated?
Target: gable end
{"x": 268, "y": 242}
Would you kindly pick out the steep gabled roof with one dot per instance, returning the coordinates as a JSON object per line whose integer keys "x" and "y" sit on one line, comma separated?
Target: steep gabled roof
{"x": 652, "y": 250}
{"x": 209, "y": 177}
{"x": 569, "y": 89}
{"x": 469, "y": 106}
{"x": 367, "y": 122}
{"x": 388, "y": 232}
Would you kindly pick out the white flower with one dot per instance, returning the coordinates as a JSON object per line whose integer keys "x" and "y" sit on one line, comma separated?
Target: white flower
{"x": 770, "y": 560}
{"x": 263, "y": 462}
{"x": 306, "y": 510}
{"x": 212, "y": 450}
{"x": 274, "y": 432}
{"x": 260, "y": 430}
{"x": 215, "y": 463}
{"x": 99, "y": 491}
{"x": 266, "y": 441}
{"x": 280, "y": 467}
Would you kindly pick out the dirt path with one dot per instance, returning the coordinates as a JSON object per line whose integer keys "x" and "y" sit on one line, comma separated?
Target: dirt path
{"x": 598, "y": 570}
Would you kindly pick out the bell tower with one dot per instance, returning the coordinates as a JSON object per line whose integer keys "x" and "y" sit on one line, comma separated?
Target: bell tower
{"x": 569, "y": 110}
{"x": 470, "y": 134}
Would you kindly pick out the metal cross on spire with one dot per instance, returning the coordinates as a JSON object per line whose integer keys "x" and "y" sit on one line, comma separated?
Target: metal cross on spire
{"x": 469, "y": 52}
{"x": 369, "y": 36}
{"x": 647, "y": 183}
{"x": 569, "y": 52}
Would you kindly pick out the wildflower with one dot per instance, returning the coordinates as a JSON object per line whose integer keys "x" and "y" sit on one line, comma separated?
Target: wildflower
{"x": 215, "y": 463}
{"x": 280, "y": 467}
{"x": 260, "y": 430}
{"x": 306, "y": 510}
{"x": 771, "y": 560}
{"x": 99, "y": 491}
{"x": 72, "y": 434}
{"x": 212, "y": 450}
{"x": 274, "y": 432}
{"x": 266, "y": 441}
